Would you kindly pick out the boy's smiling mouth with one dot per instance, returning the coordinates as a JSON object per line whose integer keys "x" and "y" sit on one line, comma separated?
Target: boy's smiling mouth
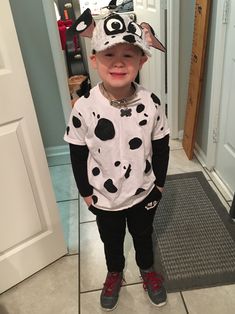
{"x": 117, "y": 74}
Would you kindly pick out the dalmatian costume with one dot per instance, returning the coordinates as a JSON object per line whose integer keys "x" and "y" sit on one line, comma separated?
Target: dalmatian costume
{"x": 117, "y": 170}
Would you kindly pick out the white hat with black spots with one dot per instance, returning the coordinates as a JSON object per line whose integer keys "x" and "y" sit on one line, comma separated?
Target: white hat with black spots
{"x": 116, "y": 29}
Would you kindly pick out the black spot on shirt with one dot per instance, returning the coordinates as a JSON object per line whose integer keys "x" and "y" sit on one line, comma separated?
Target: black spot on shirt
{"x": 117, "y": 163}
{"x": 109, "y": 186}
{"x": 95, "y": 171}
{"x": 140, "y": 108}
{"x": 105, "y": 130}
{"x": 135, "y": 143}
{"x": 138, "y": 191}
{"x": 76, "y": 122}
{"x": 155, "y": 99}
{"x": 147, "y": 167}
{"x": 143, "y": 122}
{"x": 67, "y": 130}
{"x": 127, "y": 174}
{"x": 95, "y": 199}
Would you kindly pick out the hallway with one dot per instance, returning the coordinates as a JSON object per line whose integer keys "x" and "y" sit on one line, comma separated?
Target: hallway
{"x": 55, "y": 289}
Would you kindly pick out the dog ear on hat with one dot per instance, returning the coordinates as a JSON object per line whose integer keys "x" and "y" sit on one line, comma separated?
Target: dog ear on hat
{"x": 84, "y": 25}
{"x": 151, "y": 38}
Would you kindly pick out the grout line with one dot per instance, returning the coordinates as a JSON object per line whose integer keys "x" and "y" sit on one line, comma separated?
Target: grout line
{"x": 182, "y": 297}
{"x": 64, "y": 164}
{"x": 68, "y": 200}
{"x": 85, "y": 222}
{"x": 100, "y": 289}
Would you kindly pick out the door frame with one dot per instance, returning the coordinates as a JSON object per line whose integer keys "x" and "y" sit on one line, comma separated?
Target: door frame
{"x": 216, "y": 86}
{"x": 173, "y": 22}
{"x": 216, "y": 91}
{"x": 58, "y": 56}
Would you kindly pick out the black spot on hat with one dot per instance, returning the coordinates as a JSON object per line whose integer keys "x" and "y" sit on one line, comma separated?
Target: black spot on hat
{"x": 109, "y": 186}
{"x": 135, "y": 143}
{"x": 105, "y": 130}
{"x": 106, "y": 43}
{"x": 140, "y": 108}
{"x": 155, "y": 99}
{"x": 127, "y": 174}
{"x": 76, "y": 122}
{"x": 117, "y": 163}
{"x": 95, "y": 171}
{"x": 147, "y": 167}
{"x": 129, "y": 38}
{"x": 143, "y": 122}
{"x": 67, "y": 130}
{"x": 95, "y": 199}
{"x": 138, "y": 191}
{"x": 162, "y": 128}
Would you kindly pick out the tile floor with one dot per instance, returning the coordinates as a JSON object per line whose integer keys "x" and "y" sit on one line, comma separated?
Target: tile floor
{"x": 78, "y": 288}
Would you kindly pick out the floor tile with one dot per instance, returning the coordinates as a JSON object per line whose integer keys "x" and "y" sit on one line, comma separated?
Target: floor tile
{"x": 175, "y": 144}
{"x": 217, "y": 300}
{"x": 58, "y": 160}
{"x": 132, "y": 299}
{"x": 63, "y": 182}
{"x": 69, "y": 219}
{"x": 179, "y": 163}
{"x": 53, "y": 290}
{"x": 85, "y": 214}
{"x": 92, "y": 260}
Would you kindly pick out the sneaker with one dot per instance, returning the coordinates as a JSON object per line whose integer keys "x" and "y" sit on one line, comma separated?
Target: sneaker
{"x": 153, "y": 284}
{"x": 110, "y": 291}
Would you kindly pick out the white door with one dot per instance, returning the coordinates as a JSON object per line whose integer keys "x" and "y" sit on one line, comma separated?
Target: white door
{"x": 152, "y": 75}
{"x": 30, "y": 231}
{"x": 225, "y": 157}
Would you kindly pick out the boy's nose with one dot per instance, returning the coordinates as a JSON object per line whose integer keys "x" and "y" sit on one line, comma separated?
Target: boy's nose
{"x": 118, "y": 63}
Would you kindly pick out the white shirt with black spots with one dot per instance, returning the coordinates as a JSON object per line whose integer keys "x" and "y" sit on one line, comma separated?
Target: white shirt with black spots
{"x": 119, "y": 143}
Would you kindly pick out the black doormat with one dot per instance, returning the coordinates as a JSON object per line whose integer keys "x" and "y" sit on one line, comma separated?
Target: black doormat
{"x": 194, "y": 235}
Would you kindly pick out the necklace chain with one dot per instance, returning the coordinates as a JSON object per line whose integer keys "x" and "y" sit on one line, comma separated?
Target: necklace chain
{"x": 119, "y": 103}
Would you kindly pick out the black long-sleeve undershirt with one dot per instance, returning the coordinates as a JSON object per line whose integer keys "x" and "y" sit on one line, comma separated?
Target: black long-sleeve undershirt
{"x": 79, "y": 156}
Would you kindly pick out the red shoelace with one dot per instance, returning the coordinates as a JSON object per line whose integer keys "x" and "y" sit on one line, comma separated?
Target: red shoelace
{"x": 110, "y": 284}
{"x": 153, "y": 279}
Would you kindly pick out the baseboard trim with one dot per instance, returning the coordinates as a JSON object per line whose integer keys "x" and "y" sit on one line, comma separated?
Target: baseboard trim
{"x": 55, "y": 151}
{"x": 200, "y": 155}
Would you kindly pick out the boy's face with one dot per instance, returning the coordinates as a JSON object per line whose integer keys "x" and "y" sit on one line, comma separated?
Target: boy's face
{"x": 118, "y": 66}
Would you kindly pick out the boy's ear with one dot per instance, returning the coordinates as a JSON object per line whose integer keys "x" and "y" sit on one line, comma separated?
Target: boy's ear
{"x": 93, "y": 61}
{"x": 143, "y": 59}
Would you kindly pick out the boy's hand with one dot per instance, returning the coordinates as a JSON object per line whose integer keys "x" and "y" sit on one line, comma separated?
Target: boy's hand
{"x": 159, "y": 188}
{"x": 88, "y": 200}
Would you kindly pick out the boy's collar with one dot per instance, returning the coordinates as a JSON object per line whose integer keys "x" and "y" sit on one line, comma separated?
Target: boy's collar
{"x": 120, "y": 103}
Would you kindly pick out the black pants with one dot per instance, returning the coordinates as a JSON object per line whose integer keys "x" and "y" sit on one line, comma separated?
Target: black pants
{"x": 139, "y": 220}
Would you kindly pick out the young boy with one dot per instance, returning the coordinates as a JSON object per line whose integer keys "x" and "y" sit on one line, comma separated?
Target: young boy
{"x": 119, "y": 145}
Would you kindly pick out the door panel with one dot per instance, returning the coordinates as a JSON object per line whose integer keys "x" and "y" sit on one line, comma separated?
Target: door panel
{"x": 31, "y": 236}
{"x": 225, "y": 159}
{"x": 152, "y": 75}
